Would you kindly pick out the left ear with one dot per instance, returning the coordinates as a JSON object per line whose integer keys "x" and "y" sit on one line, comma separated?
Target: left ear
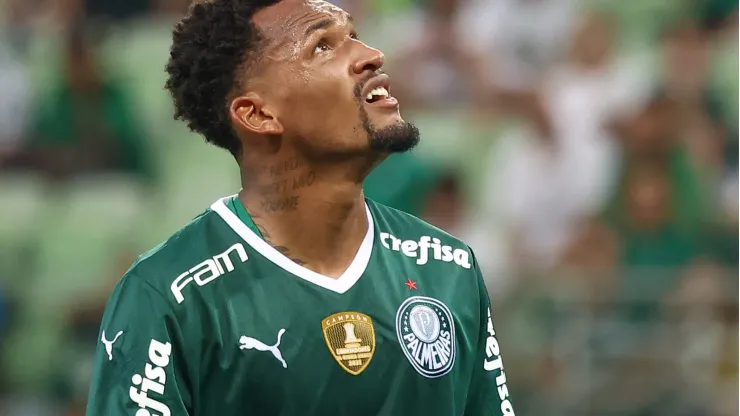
{"x": 251, "y": 113}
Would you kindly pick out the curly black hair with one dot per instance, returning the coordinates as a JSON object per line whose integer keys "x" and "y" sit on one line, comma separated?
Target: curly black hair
{"x": 210, "y": 45}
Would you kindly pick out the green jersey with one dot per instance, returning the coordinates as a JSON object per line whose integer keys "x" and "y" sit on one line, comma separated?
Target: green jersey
{"x": 215, "y": 321}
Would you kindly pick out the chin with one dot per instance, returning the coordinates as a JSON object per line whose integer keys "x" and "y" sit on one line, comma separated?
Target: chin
{"x": 398, "y": 137}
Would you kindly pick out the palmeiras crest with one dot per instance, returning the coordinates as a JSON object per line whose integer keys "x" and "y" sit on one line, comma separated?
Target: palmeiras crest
{"x": 426, "y": 332}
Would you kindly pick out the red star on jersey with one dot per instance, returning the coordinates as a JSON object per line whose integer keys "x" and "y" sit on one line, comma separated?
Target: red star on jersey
{"x": 411, "y": 284}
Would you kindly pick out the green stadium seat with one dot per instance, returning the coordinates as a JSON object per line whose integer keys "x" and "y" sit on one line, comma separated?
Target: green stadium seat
{"x": 197, "y": 175}
{"x": 21, "y": 200}
{"x": 92, "y": 226}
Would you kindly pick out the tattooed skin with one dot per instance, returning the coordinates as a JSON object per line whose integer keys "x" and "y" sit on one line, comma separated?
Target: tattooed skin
{"x": 279, "y": 193}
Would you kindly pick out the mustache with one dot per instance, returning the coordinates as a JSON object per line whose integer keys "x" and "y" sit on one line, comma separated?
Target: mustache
{"x": 361, "y": 84}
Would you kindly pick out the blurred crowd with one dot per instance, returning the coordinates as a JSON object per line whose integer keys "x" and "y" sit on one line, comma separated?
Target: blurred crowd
{"x": 587, "y": 150}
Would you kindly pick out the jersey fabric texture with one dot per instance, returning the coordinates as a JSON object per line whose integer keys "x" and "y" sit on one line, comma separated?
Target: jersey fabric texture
{"x": 215, "y": 321}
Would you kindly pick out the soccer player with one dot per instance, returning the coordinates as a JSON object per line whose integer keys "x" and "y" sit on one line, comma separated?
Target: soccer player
{"x": 297, "y": 296}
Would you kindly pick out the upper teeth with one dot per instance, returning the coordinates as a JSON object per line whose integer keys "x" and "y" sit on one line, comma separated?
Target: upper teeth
{"x": 380, "y": 91}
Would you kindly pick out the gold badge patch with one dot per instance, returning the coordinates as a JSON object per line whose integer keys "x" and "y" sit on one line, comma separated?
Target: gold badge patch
{"x": 350, "y": 337}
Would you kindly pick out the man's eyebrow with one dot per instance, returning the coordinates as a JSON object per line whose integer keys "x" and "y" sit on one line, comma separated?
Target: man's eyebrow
{"x": 326, "y": 23}
{"x": 321, "y": 24}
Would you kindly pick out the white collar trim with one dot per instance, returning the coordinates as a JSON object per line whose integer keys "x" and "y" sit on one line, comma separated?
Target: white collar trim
{"x": 339, "y": 285}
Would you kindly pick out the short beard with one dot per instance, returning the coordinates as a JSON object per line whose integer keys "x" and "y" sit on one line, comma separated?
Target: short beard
{"x": 397, "y": 138}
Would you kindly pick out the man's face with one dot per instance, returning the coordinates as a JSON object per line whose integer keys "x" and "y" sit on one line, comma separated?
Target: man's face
{"x": 324, "y": 85}
{"x": 648, "y": 198}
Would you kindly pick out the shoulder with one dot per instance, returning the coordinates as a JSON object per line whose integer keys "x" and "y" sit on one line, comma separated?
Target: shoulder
{"x": 401, "y": 231}
{"x": 396, "y": 220}
{"x": 200, "y": 240}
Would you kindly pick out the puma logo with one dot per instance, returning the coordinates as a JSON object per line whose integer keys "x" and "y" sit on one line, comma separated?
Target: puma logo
{"x": 248, "y": 343}
{"x": 109, "y": 344}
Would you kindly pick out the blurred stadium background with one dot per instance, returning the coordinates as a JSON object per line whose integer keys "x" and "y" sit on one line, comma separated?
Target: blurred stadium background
{"x": 586, "y": 149}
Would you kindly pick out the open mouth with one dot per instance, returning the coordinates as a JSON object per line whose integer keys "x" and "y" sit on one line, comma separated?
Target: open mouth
{"x": 377, "y": 94}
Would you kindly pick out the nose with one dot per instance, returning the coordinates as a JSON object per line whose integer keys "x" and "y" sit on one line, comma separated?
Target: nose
{"x": 370, "y": 59}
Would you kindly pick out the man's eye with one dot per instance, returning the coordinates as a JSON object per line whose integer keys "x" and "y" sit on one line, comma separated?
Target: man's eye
{"x": 323, "y": 46}
{"x": 354, "y": 36}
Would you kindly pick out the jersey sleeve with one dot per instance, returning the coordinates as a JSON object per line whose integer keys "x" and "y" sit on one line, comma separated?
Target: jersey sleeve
{"x": 488, "y": 394}
{"x": 139, "y": 367}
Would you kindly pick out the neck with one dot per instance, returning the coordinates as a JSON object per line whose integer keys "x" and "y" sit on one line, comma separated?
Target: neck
{"x": 314, "y": 215}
